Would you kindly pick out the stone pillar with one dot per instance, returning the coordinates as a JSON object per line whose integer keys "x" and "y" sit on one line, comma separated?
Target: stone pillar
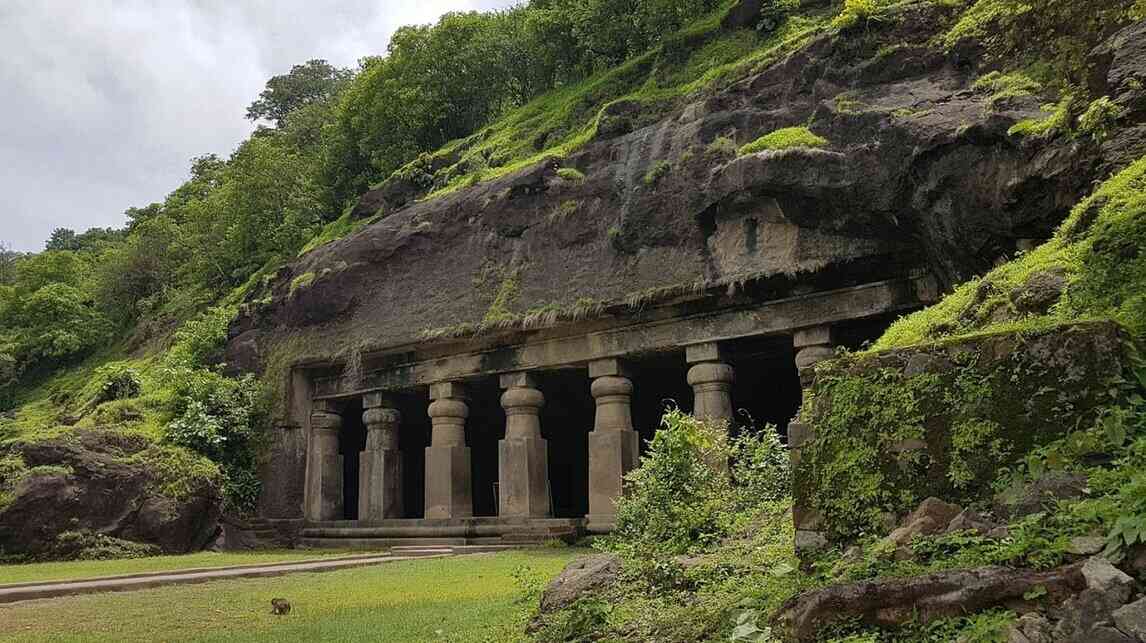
{"x": 711, "y": 381}
{"x": 613, "y": 444}
{"x": 523, "y": 461}
{"x": 812, "y": 345}
{"x": 324, "y": 465}
{"x": 380, "y": 465}
{"x": 448, "y": 491}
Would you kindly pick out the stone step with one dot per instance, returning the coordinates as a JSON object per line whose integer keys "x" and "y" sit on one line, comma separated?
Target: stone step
{"x": 376, "y": 543}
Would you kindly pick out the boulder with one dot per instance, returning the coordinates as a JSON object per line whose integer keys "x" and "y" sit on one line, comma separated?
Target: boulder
{"x": 107, "y": 483}
{"x": 894, "y": 601}
{"x": 1030, "y": 628}
{"x": 578, "y": 578}
{"x": 1088, "y": 614}
{"x": 970, "y": 520}
{"x": 1039, "y": 495}
{"x": 1131, "y": 619}
{"x": 931, "y": 517}
{"x": 1039, "y": 292}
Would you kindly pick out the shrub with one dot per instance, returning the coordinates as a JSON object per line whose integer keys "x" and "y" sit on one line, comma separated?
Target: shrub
{"x": 783, "y": 139}
{"x": 723, "y": 146}
{"x": 85, "y": 544}
{"x": 682, "y": 497}
{"x": 115, "y": 381}
{"x": 854, "y": 12}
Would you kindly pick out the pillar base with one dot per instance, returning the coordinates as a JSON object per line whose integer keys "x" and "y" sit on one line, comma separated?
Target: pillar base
{"x": 612, "y": 454}
{"x": 523, "y": 476}
{"x": 448, "y": 492}
{"x": 379, "y": 484}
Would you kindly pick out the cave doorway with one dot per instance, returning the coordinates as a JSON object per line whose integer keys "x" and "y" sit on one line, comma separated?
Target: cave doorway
{"x": 766, "y": 391}
{"x": 351, "y": 442}
{"x": 484, "y": 428}
{"x": 413, "y": 438}
{"x": 660, "y": 382}
{"x": 566, "y": 420}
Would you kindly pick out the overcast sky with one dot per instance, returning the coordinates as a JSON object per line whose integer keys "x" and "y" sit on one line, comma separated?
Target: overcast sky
{"x": 104, "y": 102}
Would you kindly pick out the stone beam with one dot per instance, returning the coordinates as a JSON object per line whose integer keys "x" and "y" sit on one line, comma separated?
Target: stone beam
{"x": 780, "y": 316}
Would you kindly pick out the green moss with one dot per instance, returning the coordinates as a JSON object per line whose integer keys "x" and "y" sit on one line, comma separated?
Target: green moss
{"x": 1002, "y": 86}
{"x": 571, "y": 174}
{"x": 1099, "y": 119}
{"x": 302, "y": 281}
{"x": 783, "y": 139}
{"x": 855, "y": 12}
{"x": 722, "y": 146}
{"x": 657, "y": 171}
{"x": 341, "y": 227}
{"x": 507, "y": 293}
{"x": 563, "y": 211}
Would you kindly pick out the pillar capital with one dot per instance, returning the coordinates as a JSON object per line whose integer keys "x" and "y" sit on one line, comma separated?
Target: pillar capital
{"x": 608, "y": 386}
{"x": 812, "y": 336}
{"x": 325, "y": 421}
{"x": 705, "y": 352}
{"x": 611, "y": 367}
{"x": 710, "y": 373}
{"x": 376, "y": 399}
{"x": 448, "y": 391}
{"x": 517, "y": 380}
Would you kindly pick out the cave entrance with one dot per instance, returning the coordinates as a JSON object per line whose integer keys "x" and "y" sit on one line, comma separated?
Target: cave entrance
{"x": 566, "y": 420}
{"x": 767, "y": 387}
{"x": 485, "y": 426}
{"x": 660, "y": 382}
{"x": 413, "y": 438}
{"x": 351, "y": 442}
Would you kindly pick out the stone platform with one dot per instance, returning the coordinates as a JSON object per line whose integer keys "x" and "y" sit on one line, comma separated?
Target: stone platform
{"x": 491, "y": 531}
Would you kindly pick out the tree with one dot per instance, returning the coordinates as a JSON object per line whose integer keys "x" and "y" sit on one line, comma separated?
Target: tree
{"x": 311, "y": 82}
{"x": 62, "y": 239}
{"x": 8, "y": 259}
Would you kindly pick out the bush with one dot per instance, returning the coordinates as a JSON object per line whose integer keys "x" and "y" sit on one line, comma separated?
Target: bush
{"x": 84, "y": 544}
{"x": 115, "y": 381}
{"x": 682, "y": 497}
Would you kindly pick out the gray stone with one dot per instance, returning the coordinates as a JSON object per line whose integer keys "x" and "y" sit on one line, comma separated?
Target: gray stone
{"x": 1131, "y": 619}
{"x": 970, "y": 520}
{"x": 1100, "y": 575}
{"x": 1086, "y": 545}
{"x": 1030, "y": 628}
{"x": 809, "y": 541}
{"x": 580, "y": 577}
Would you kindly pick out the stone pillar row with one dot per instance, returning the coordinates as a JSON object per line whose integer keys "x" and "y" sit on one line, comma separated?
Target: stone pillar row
{"x": 523, "y": 469}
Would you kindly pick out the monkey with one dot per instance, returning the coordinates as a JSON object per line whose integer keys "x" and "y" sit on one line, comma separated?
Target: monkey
{"x": 280, "y": 606}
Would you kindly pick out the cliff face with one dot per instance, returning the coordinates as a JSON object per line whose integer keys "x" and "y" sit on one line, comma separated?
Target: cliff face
{"x": 918, "y": 172}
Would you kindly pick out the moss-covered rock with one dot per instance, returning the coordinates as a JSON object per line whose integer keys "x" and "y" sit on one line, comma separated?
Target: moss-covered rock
{"x": 891, "y": 428}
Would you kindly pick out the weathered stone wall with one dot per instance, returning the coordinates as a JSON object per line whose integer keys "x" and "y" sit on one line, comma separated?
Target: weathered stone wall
{"x": 883, "y": 431}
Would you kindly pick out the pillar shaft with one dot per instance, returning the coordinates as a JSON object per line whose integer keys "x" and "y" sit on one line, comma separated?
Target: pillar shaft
{"x": 711, "y": 381}
{"x": 324, "y": 468}
{"x": 523, "y": 464}
{"x": 448, "y": 483}
{"x": 380, "y": 465}
{"x": 613, "y": 444}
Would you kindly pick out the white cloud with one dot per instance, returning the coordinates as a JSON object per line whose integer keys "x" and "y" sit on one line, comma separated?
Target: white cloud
{"x": 104, "y": 102}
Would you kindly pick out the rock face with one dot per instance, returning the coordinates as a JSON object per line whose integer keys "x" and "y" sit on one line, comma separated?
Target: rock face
{"x": 918, "y": 174}
{"x": 1008, "y": 389}
{"x": 110, "y": 490}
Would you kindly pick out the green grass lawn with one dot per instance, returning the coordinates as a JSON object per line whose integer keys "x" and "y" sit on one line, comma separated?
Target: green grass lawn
{"x": 465, "y": 598}
{"x": 92, "y": 568}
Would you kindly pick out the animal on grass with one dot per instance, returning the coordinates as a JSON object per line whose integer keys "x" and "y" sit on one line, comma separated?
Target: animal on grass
{"x": 280, "y": 606}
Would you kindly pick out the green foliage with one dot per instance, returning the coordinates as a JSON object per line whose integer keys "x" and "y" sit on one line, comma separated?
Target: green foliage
{"x": 682, "y": 497}
{"x": 855, "y": 12}
{"x": 500, "y": 309}
{"x": 1059, "y": 31}
{"x": 1003, "y": 86}
{"x": 657, "y": 171}
{"x": 1099, "y": 118}
{"x": 722, "y": 146}
{"x": 783, "y": 139}
{"x": 312, "y": 82}
{"x": 84, "y": 544}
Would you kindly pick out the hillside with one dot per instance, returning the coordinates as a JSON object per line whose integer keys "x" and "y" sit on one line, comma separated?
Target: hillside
{"x": 448, "y": 193}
